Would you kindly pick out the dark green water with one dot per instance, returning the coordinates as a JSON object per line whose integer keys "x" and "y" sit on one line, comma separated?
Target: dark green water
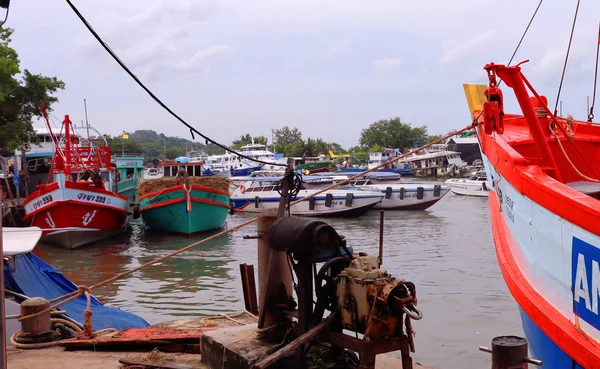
{"x": 447, "y": 251}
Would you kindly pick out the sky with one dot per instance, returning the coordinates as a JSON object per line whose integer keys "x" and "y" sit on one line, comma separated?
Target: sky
{"x": 329, "y": 68}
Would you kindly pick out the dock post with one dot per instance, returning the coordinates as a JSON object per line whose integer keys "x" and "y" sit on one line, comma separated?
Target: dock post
{"x": 3, "y": 353}
{"x": 510, "y": 352}
{"x": 381, "y": 215}
{"x": 280, "y": 273}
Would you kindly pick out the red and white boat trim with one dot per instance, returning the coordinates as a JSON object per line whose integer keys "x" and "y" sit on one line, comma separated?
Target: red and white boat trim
{"x": 545, "y": 216}
{"x": 72, "y": 211}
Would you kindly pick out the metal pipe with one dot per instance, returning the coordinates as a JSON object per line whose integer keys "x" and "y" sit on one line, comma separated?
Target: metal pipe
{"x": 381, "y": 237}
{"x": 509, "y": 352}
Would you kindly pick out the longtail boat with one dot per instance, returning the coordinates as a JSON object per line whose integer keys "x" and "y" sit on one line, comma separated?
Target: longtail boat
{"x": 544, "y": 201}
{"x": 79, "y": 204}
{"x": 181, "y": 203}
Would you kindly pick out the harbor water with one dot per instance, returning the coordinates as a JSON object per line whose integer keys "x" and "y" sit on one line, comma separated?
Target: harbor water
{"x": 447, "y": 251}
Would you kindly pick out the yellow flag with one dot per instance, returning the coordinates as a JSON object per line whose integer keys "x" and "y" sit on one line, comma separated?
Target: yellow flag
{"x": 125, "y": 136}
{"x": 475, "y": 96}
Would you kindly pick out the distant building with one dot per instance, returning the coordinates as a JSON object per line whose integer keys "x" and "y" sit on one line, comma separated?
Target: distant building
{"x": 468, "y": 147}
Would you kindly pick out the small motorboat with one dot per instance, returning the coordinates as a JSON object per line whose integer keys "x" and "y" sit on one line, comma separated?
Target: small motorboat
{"x": 476, "y": 185}
{"x": 255, "y": 194}
{"x": 398, "y": 195}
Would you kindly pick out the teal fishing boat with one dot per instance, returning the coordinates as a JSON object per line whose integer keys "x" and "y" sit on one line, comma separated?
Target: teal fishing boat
{"x": 199, "y": 204}
{"x": 129, "y": 169}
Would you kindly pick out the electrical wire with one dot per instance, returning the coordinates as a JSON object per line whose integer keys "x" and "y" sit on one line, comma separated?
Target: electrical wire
{"x": 566, "y": 58}
{"x": 591, "y": 112}
{"x": 517, "y": 48}
{"x": 154, "y": 97}
{"x": 524, "y": 33}
{"x": 5, "y": 17}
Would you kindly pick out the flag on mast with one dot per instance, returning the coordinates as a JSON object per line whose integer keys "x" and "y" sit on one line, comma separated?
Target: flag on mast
{"x": 125, "y": 135}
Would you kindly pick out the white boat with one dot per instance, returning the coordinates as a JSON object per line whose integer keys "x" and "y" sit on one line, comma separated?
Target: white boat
{"x": 17, "y": 241}
{"x": 152, "y": 173}
{"x": 409, "y": 196}
{"x": 257, "y": 194}
{"x": 398, "y": 195}
{"x": 435, "y": 163}
{"x": 476, "y": 185}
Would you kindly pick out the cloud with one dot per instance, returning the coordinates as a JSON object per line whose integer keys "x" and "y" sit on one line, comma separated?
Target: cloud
{"x": 455, "y": 52}
{"x": 388, "y": 63}
{"x": 201, "y": 58}
{"x": 159, "y": 37}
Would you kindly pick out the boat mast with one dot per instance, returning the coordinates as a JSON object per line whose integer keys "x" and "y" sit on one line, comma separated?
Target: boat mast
{"x": 67, "y": 124}
{"x": 86, "y": 122}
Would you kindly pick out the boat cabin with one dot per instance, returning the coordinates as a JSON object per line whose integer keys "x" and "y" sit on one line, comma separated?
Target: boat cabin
{"x": 129, "y": 165}
{"x": 193, "y": 169}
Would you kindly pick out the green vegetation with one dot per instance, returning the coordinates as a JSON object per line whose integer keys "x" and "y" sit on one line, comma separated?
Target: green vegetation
{"x": 21, "y": 95}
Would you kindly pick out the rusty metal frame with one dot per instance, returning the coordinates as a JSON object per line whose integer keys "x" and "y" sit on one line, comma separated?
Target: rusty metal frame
{"x": 368, "y": 350}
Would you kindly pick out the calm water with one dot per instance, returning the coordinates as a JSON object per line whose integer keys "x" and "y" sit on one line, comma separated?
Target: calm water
{"x": 447, "y": 251}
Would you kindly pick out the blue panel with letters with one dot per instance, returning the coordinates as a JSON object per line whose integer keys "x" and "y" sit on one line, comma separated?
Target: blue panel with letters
{"x": 585, "y": 281}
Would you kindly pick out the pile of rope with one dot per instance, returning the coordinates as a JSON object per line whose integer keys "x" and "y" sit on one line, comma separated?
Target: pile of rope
{"x": 62, "y": 330}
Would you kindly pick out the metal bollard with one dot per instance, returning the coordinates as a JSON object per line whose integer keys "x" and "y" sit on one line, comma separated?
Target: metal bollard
{"x": 40, "y": 324}
{"x": 510, "y": 352}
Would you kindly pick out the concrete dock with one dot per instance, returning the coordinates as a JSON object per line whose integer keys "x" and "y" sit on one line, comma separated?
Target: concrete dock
{"x": 57, "y": 358}
{"x": 234, "y": 332}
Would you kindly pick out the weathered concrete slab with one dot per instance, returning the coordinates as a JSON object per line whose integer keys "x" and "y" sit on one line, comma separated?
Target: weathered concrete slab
{"x": 235, "y": 347}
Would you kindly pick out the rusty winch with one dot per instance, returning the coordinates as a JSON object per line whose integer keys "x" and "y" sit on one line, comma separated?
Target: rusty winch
{"x": 375, "y": 304}
{"x": 361, "y": 296}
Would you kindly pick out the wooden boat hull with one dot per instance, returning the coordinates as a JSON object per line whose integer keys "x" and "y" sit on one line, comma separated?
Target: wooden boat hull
{"x": 545, "y": 218}
{"x": 76, "y": 214}
{"x": 531, "y": 244}
{"x": 128, "y": 188}
{"x": 177, "y": 210}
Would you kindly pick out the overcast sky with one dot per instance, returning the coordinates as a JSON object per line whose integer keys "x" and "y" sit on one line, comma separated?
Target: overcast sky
{"x": 330, "y": 68}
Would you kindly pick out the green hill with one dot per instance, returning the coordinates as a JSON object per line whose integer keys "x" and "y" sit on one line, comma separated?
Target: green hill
{"x": 157, "y": 146}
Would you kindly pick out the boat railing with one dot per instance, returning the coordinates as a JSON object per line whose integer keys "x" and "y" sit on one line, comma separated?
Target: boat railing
{"x": 129, "y": 155}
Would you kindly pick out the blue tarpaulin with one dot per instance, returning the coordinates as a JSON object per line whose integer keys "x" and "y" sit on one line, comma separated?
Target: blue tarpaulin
{"x": 31, "y": 276}
{"x": 16, "y": 180}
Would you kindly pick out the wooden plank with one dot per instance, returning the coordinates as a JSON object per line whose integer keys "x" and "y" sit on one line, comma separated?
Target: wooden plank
{"x": 143, "y": 364}
{"x": 161, "y": 333}
{"x": 171, "y": 339}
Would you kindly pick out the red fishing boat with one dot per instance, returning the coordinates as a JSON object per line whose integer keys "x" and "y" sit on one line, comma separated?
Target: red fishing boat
{"x": 79, "y": 204}
{"x": 545, "y": 213}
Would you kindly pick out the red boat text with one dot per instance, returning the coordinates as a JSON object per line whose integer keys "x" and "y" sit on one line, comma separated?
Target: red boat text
{"x": 42, "y": 201}
{"x": 92, "y": 198}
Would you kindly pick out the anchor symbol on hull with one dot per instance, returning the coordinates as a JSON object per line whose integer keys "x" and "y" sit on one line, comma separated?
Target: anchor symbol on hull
{"x": 50, "y": 221}
{"x": 87, "y": 218}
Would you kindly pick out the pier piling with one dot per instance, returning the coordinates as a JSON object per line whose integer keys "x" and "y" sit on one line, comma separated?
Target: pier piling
{"x": 510, "y": 352}
{"x": 270, "y": 286}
